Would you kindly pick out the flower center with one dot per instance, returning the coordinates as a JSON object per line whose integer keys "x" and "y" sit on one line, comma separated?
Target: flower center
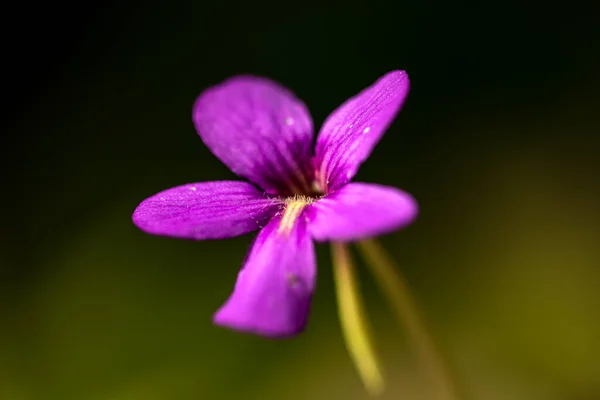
{"x": 293, "y": 209}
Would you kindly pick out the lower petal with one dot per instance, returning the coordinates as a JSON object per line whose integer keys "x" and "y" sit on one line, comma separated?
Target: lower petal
{"x": 273, "y": 291}
{"x": 360, "y": 210}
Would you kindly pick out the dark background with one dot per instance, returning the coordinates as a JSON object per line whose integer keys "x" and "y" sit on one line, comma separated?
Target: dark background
{"x": 498, "y": 141}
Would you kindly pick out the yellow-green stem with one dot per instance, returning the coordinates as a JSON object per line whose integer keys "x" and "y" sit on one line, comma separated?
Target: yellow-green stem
{"x": 352, "y": 319}
{"x": 396, "y": 290}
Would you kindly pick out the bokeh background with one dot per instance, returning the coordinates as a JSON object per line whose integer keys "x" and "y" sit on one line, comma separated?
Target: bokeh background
{"x": 499, "y": 142}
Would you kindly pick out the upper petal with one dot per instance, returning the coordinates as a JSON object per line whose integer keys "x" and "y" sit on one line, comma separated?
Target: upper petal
{"x": 207, "y": 210}
{"x": 274, "y": 288}
{"x": 351, "y": 132}
{"x": 360, "y": 210}
{"x": 260, "y": 130}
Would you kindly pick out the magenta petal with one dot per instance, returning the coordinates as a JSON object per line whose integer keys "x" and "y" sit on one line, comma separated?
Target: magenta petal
{"x": 260, "y": 130}
{"x": 208, "y": 210}
{"x": 273, "y": 291}
{"x": 360, "y": 210}
{"x": 351, "y": 132}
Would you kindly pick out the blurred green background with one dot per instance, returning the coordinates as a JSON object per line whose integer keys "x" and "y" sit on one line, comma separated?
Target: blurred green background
{"x": 498, "y": 141}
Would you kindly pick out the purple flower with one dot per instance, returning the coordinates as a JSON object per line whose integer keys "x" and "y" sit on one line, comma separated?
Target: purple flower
{"x": 264, "y": 134}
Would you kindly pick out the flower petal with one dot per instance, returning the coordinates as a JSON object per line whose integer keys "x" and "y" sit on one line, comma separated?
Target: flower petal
{"x": 351, "y": 132}
{"x": 360, "y": 210}
{"x": 273, "y": 291}
{"x": 260, "y": 130}
{"x": 208, "y": 210}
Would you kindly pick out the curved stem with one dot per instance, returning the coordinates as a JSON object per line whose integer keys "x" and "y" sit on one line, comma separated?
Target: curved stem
{"x": 404, "y": 305}
{"x": 353, "y": 321}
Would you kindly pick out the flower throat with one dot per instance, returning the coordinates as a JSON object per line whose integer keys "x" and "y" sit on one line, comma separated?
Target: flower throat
{"x": 294, "y": 205}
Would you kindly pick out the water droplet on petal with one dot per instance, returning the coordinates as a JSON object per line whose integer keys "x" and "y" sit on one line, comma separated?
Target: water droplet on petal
{"x": 193, "y": 188}
{"x": 289, "y": 121}
{"x": 367, "y": 129}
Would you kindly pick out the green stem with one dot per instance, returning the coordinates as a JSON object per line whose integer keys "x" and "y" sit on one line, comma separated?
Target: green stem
{"x": 354, "y": 325}
{"x": 396, "y": 290}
